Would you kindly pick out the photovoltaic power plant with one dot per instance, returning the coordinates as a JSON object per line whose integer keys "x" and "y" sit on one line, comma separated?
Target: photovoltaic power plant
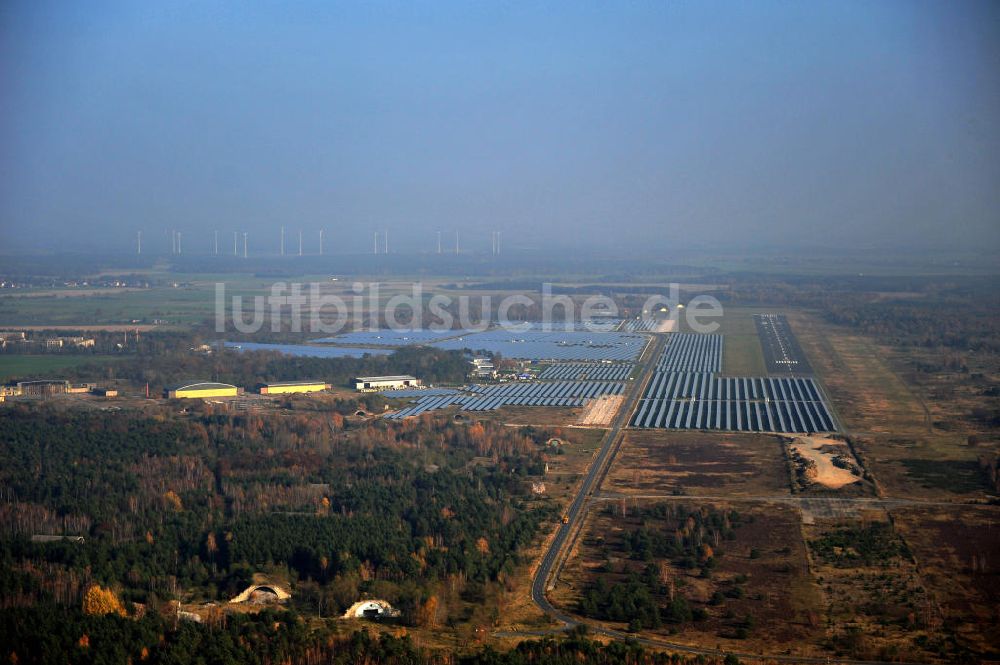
{"x": 696, "y": 400}
{"x": 389, "y": 337}
{"x": 418, "y": 392}
{"x": 566, "y": 345}
{"x": 691, "y": 352}
{"x": 587, "y": 371}
{"x": 489, "y": 397}
{"x": 310, "y": 350}
{"x": 605, "y": 324}
{"x": 687, "y": 393}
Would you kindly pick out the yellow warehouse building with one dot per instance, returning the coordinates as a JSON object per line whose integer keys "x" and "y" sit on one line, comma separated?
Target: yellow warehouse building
{"x": 288, "y": 387}
{"x": 200, "y": 389}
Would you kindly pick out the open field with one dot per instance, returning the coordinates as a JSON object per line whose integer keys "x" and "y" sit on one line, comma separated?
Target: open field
{"x": 743, "y": 355}
{"x": 956, "y": 551}
{"x": 688, "y": 462}
{"x": 757, "y": 594}
{"x": 176, "y": 306}
{"x": 124, "y": 327}
{"x": 18, "y": 366}
{"x": 890, "y": 424}
{"x": 874, "y": 601}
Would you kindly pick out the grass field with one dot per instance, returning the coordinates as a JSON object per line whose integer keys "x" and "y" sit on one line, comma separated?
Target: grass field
{"x": 956, "y": 551}
{"x": 741, "y": 355}
{"x": 15, "y": 367}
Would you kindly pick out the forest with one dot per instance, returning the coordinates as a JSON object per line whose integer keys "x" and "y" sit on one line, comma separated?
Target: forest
{"x": 54, "y": 636}
{"x": 425, "y": 513}
{"x": 670, "y": 543}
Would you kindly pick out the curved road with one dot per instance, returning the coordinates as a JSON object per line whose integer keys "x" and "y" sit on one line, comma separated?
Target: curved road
{"x": 576, "y": 512}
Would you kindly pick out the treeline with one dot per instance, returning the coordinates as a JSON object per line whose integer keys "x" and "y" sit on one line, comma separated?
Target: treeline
{"x": 52, "y": 635}
{"x": 165, "y": 360}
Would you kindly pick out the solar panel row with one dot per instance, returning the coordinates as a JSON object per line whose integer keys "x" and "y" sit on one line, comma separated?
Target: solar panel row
{"x": 691, "y": 352}
{"x": 640, "y": 325}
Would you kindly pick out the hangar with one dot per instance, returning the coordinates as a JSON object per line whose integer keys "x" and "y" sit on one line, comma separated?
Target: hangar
{"x": 367, "y": 384}
{"x": 200, "y": 389}
{"x": 287, "y": 387}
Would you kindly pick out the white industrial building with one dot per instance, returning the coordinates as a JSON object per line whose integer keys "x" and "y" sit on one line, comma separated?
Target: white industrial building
{"x": 368, "y": 384}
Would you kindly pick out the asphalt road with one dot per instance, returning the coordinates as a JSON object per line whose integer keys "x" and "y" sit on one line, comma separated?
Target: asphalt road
{"x": 576, "y": 512}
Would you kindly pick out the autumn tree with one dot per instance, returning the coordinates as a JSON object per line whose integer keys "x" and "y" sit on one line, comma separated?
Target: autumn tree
{"x": 100, "y": 601}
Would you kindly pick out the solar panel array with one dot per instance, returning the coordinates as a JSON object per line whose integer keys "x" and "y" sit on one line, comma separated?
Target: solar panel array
{"x": 308, "y": 350}
{"x": 403, "y": 393}
{"x": 697, "y": 400}
{"x": 534, "y": 345}
{"x": 604, "y": 324}
{"x": 640, "y": 325}
{"x": 389, "y": 337}
{"x": 686, "y": 393}
{"x": 691, "y": 352}
{"x": 489, "y": 397}
{"x": 588, "y": 371}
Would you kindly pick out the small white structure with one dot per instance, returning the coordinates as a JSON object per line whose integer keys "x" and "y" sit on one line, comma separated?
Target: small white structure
{"x": 371, "y": 609}
{"x": 368, "y": 384}
{"x": 483, "y": 368}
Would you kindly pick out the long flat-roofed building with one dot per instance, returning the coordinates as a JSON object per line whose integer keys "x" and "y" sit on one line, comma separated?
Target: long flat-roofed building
{"x": 200, "y": 389}
{"x": 367, "y": 384}
{"x": 43, "y": 387}
{"x": 287, "y": 387}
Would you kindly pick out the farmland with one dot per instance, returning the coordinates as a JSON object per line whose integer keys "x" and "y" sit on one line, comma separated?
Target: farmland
{"x": 20, "y": 366}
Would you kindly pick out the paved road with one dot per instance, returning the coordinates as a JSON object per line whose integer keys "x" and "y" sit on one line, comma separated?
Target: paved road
{"x": 576, "y": 513}
{"x": 576, "y": 510}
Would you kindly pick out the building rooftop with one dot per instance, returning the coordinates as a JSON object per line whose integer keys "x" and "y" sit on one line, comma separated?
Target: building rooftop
{"x": 374, "y": 379}
{"x": 293, "y": 383}
{"x": 199, "y": 385}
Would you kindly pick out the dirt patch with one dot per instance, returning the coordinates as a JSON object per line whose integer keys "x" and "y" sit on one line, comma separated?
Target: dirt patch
{"x": 824, "y": 461}
{"x": 601, "y": 411}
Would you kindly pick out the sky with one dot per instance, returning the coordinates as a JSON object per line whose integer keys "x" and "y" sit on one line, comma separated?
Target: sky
{"x": 665, "y": 126}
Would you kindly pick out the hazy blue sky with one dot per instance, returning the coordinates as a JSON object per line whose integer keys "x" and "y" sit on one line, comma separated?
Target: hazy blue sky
{"x": 666, "y": 124}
